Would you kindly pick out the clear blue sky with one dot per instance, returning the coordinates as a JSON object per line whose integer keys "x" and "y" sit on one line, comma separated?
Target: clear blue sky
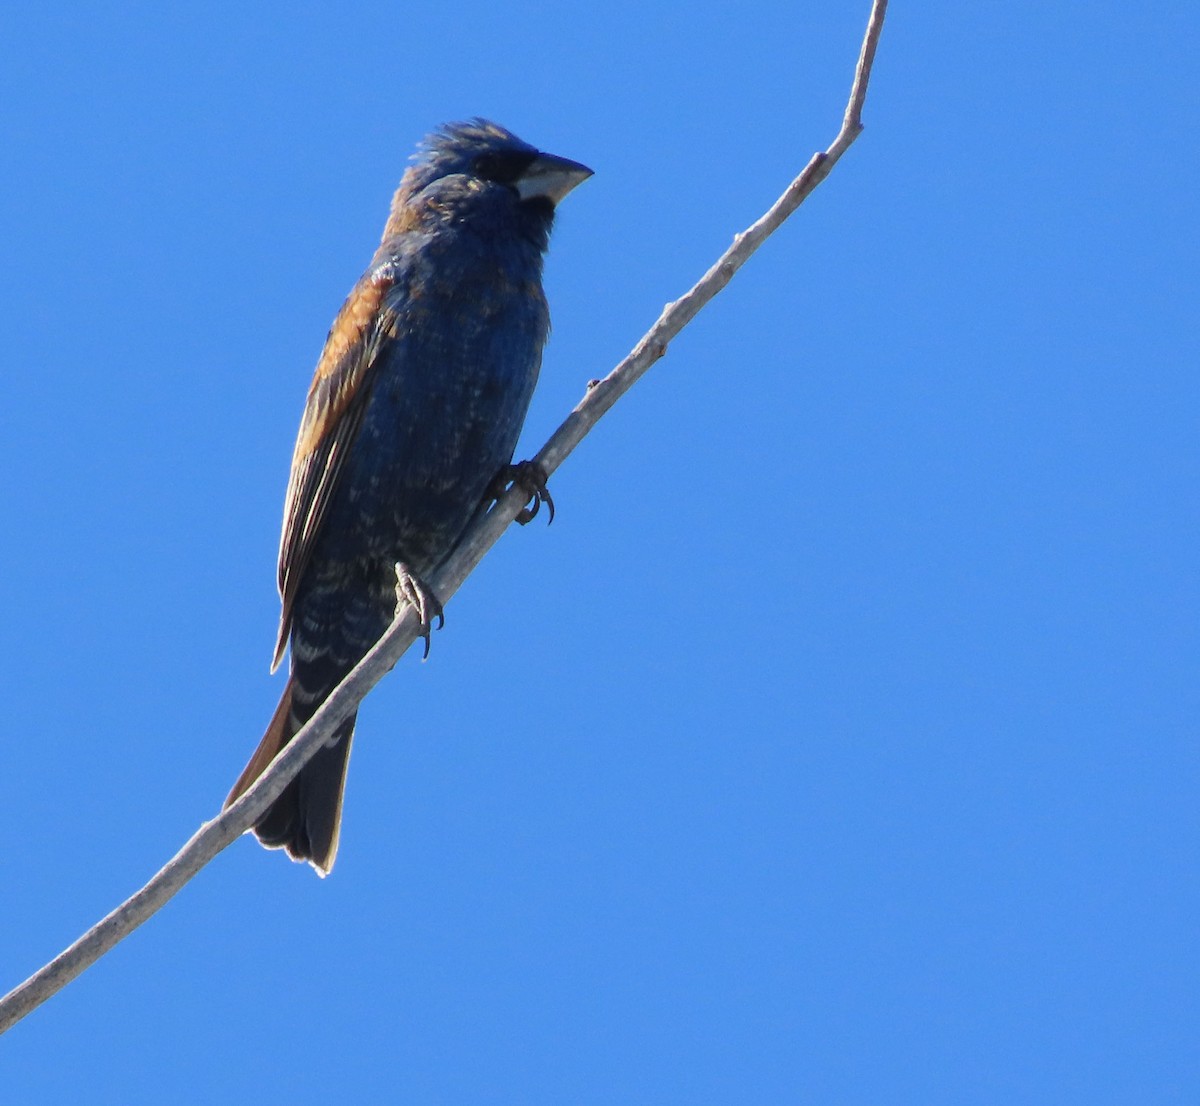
{"x": 837, "y": 744}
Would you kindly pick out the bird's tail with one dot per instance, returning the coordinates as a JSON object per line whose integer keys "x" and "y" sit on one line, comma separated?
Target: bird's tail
{"x": 306, "y": 819}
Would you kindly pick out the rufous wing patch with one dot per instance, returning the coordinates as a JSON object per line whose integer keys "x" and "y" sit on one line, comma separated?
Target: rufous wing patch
{"x": 331, "y": 419}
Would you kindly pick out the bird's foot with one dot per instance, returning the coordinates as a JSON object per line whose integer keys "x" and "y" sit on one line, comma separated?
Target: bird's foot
{"x": 531, "y": 478}
{"x": 411, "y": 589}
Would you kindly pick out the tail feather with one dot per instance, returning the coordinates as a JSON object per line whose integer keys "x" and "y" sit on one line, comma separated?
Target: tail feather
{"x": 306, "y": 819}
{"x": 279, "y": 733}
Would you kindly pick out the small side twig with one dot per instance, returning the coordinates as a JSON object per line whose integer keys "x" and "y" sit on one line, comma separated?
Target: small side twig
{"x": 221, "y": 831}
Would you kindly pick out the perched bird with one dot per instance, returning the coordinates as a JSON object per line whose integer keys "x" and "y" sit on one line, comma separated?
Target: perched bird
{"x": 411, "y": 419}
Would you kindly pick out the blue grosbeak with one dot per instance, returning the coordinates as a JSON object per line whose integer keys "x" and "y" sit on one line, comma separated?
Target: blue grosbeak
{"x": 412, "y": 417}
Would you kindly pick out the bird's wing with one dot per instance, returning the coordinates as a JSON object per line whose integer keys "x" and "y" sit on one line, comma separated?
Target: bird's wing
{"x": 332, "y": 415}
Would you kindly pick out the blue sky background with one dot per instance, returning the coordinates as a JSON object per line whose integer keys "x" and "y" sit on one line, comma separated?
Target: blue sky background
{"x": 837, "y": 744}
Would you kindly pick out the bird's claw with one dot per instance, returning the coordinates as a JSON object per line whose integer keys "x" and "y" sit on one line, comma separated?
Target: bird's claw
{"x": 531, "y": 478}
{"x": 411, "y": 589}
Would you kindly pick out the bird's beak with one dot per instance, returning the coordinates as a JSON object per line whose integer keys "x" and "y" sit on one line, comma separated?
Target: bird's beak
{"x": 550, "y": 177}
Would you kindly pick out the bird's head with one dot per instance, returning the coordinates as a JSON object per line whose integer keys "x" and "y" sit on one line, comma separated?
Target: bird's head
{"x": 479, "y": 152}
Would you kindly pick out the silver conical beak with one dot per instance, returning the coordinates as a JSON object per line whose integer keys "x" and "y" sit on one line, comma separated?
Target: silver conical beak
{"x": 550, "y": 177}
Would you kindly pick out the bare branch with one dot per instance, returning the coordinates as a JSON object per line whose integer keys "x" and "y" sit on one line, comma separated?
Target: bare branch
{"x": 215, "y": 835}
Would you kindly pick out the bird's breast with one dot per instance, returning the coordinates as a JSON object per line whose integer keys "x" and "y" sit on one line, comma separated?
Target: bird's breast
{"x": 449, "y": 391}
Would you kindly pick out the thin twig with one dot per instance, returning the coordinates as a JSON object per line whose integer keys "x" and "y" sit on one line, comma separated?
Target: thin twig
{"x": 215, "y": 835}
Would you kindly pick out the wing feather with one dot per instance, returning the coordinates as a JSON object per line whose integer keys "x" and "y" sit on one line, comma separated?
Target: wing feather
{"x": 332, "y": 415}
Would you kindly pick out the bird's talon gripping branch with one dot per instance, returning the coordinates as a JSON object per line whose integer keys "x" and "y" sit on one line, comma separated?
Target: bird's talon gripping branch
{"x": 410, "y": 588}
{"x": 531, "y": 478}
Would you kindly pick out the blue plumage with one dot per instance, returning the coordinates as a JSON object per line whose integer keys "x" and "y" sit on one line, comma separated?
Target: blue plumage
{"x": 414, "y": 411}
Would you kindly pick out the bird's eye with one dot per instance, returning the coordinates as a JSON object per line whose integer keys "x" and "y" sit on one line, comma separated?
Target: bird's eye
{"x": 501, "y": 166}
{"x": 487, "y": 166}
